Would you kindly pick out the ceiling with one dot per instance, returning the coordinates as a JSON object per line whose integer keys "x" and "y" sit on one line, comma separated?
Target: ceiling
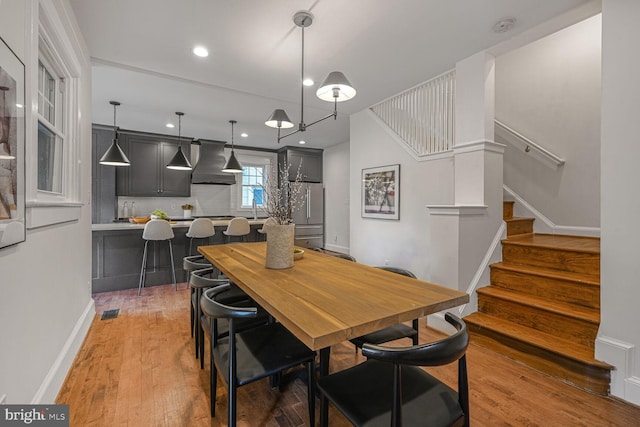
{"x": 142, "y": 57}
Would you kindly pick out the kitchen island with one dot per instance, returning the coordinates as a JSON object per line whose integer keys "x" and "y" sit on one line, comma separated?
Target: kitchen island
{"x": 117, "y": 253}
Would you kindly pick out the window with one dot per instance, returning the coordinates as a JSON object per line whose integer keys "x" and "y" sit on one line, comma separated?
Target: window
{"x": 50, "y": 130}
{"x": 60, "y": 88}
{"x": 252, "y": 182}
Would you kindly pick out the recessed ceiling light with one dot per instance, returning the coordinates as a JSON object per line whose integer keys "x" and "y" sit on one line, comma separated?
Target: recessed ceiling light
{"x": 170, "y": 125}
{"x": 19, "y": 105}
{"x": 200, "y": 51}
{"x": 308, "y": 82}
{"x": 302, "y": 142}
{"x": 244, "y": 134}
{"x": 504, "y": 25}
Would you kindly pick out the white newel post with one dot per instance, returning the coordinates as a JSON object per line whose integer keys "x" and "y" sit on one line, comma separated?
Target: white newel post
{"x": 461, "y": 233}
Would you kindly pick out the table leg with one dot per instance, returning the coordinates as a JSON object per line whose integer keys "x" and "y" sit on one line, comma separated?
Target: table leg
{"x": 324, "y": 371}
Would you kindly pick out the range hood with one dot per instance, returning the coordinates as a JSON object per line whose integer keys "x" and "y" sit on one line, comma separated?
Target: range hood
{"x": 210, "y": 161}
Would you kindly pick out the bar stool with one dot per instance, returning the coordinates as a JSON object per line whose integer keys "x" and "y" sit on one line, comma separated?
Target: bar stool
{"x": 263, "y": 230}
{"x": 200, "y": 228}
{"x": 156, "y": 230}
{"x": 238, "y": 227}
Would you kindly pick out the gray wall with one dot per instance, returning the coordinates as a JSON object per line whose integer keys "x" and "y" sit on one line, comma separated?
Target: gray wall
{"x": 618, "y": 338}
{"x": 45, "y": 284}
{"x": 549, "y": 91}
{"x": 404, "y": 243}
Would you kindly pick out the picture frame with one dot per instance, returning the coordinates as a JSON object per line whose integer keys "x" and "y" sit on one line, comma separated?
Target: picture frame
{"x": 381, "y": 192}
{"x": 12, "y": 142}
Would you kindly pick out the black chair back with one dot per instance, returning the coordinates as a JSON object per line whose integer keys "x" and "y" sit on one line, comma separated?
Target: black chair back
{"x": 442, "y": 352}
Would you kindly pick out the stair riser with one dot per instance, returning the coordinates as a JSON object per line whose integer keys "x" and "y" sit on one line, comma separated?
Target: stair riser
{"x": 586, "y": 295}
{"x": 567, "y": 260}
{"x": 588, "y": 377}
{"x": 521, "y": 226}
{"x": 507, "y": 209}
{"x": 577, "y": 330}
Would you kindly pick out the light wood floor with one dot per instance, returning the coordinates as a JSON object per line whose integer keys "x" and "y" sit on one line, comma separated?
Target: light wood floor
{"x": 139, "y": 370}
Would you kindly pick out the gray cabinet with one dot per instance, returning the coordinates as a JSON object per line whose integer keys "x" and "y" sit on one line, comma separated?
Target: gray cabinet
{"x": 310, "y": 158}
{"x": 147, "y": 176}
{"x": 103, "y": 178}
{"x": 117, "y": 257}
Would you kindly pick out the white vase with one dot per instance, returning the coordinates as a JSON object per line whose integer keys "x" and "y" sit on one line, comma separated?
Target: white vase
{"x": 279, "y": 246}
{"x": 186, "y": 213}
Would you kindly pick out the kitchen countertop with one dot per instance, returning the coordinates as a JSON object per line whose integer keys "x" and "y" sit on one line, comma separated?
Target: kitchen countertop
{"x": 179, "y": 223}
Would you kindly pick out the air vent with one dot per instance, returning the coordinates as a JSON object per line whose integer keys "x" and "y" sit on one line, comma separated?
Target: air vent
{"x": 110, "y": 314}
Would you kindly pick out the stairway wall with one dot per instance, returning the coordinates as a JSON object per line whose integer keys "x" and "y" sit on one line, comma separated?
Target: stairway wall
{"x": 549, "y": 91}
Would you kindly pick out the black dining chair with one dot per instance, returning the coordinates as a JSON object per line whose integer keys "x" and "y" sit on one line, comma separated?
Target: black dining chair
{"x": 394, "y": 332}
{"x": 189, "y": 264}
{"x": 390, "y": 388}
{"x": 207, "y": 278}
{"x": 251, "y": 355}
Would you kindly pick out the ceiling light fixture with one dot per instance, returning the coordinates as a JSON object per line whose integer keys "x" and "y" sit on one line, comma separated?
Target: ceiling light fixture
{"x": 232, "y": 165}
{"x": 244, "y": 134}
{"x": 200, "y": 51}
{"x": 335, "y": 88}
{"x": 170, "y": 125}
{"x": 114, "y": 156}
{"x": 179, "y": 161}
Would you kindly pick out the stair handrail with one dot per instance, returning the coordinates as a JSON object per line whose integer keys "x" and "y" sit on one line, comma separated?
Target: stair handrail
{"x": 529, "y": 144}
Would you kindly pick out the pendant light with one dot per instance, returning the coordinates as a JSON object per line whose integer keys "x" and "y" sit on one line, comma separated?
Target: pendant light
{"x": 179, "y": 161}
{"x": 114, "y": 156}
{"x": 232, "y": 165}
{"x": 336, "y": 88}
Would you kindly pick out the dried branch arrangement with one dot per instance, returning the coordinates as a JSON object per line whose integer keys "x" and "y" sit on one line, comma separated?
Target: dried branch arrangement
{"x": 283, "y": 200}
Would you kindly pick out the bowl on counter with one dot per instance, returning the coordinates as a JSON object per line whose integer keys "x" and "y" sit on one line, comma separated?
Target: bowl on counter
{"x": 298, "y": 254}
{"x": 139, "y": 219}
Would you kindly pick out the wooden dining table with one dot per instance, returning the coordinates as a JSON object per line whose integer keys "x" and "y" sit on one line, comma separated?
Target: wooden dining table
{"x": 325, "y": 300}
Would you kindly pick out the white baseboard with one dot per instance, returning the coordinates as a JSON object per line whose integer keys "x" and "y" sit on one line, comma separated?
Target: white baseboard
{"x": 632, "y": 390}
{"x": 54, "y": 379}
{"x": 337, "y": 248}
{"x": 543, "y": 224}
{"x": 620, "y": 354}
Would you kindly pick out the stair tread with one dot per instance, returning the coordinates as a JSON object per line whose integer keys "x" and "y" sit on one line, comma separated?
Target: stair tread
{"x": 567, "y": 309}
{"x": 556, "y": 241}
{"x": 552, "y": 343}
{"x": 518, "y": 218}
{"x": 583, "y": 278}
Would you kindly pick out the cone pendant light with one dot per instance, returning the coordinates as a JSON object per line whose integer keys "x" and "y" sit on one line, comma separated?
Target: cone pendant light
{"x": 179, "y": 161}
{"x": 114, "y": 156}
{"x": 232, "y": 165}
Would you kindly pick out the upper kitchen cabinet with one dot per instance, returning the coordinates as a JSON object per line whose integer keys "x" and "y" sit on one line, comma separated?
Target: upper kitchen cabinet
{"x": 103, "y": 178}
{"x": 311, "y": 159}
{"x": 148, "y": 176}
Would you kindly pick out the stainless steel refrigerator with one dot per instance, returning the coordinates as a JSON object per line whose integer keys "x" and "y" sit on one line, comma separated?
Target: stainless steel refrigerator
{"x": 309, "y": 219}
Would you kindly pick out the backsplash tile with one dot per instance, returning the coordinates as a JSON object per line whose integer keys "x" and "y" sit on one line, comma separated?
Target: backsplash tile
{"x": 207, "y": 200}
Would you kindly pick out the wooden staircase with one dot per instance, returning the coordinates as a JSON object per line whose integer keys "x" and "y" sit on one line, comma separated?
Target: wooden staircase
{"x": 543, "y": 305}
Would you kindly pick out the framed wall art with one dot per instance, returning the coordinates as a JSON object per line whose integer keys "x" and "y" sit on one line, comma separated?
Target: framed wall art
{"x": 381, "y": 192}
{"x": 12, "y": 134}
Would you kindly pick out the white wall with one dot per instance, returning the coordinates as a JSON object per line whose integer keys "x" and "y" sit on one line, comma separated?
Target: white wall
{"x": 549, "y": 91}
{"x": 404, "y": 243}
{"x": 45, "y": 285}
{"x": 335, "y": 165}
{"x": 618, "y": 338}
